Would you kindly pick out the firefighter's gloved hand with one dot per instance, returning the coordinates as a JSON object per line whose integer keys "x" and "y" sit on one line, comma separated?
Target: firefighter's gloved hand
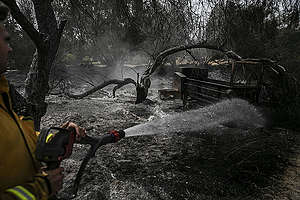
{"x": 55, "y": 178}
{"x": 80, "y": 132}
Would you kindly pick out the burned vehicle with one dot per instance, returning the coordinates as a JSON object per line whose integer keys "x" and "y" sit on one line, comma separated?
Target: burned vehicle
{"x": 259, "y": 81}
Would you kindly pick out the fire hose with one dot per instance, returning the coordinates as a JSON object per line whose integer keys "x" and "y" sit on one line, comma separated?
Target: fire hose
{"x": 56, "y": 144}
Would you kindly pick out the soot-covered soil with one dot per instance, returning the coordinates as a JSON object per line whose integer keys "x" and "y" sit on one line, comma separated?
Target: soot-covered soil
{"x": 226, "y": 161}
{"x": 220, "y": 163}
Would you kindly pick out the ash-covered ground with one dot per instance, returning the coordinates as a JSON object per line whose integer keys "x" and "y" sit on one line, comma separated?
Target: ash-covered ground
{"x": 233, "y": 158}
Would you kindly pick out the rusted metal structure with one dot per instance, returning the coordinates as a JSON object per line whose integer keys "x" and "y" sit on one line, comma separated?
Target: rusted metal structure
{"x": 260, "y": 81}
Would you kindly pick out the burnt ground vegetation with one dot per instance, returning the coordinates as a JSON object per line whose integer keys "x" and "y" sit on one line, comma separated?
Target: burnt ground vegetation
{"x": 224, "y": 162}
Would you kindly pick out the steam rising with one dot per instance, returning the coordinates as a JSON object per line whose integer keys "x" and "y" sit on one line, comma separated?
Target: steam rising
{"x": 234, "y": 112}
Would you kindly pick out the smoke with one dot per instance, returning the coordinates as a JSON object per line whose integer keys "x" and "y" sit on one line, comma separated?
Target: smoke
{"x": 236, "y": 113}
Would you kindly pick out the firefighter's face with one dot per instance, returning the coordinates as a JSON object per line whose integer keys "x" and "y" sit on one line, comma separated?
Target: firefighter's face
{"x": 4, "y": 48}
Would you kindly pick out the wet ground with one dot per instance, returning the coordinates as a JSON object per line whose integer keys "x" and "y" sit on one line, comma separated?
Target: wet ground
{"x": 225, "y": 161}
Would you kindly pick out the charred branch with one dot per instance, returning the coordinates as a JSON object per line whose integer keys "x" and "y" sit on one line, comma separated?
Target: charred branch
{"x": 25, "y": 23}
{"x": 61, "y": 27}
{"x": 161, "y": 56}
{"x": 119, "y": 83}
{"x": 191, "y": 54}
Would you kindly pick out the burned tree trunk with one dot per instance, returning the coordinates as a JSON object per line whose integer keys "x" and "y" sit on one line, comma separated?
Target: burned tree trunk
{"x": 141, "y": 93}
{"x": 36, "y": 86}
{"x": 46, "y": 39}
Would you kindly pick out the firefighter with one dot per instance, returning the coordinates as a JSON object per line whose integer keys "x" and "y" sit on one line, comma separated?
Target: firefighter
{"x": 21, "y": 175}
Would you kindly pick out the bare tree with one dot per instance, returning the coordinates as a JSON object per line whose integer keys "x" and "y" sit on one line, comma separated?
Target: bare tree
{"x": 46, "y": 37}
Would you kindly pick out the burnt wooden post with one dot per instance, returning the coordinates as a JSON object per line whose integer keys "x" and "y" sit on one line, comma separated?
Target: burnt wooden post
{"x": 260, "y": 84}
{"x": 232, "y": 73}
{"x": 179, "y": 82}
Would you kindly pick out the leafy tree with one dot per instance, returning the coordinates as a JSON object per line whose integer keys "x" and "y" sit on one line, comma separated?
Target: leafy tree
{"x": 109, "y": 30}
{"x": 252, "y": 27}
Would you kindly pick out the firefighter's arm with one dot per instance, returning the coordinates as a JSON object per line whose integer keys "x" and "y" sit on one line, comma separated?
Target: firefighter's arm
{"x": 38, "y": 189}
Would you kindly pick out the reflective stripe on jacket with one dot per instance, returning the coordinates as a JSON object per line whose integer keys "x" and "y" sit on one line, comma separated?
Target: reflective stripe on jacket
{"x": 20, "y": 175}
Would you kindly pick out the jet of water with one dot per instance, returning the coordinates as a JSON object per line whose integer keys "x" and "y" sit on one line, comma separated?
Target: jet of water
{"x": 236, "y": 112}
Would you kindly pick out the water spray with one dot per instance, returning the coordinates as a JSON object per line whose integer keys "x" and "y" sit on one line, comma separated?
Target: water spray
{"x": 236, "y": 112}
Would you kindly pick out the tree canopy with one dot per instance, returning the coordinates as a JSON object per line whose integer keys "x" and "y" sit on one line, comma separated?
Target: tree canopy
{"x": 110, "y": 31}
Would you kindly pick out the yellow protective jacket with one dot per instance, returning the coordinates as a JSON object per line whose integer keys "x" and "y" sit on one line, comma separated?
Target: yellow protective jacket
{"x": 20, "y": 174}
